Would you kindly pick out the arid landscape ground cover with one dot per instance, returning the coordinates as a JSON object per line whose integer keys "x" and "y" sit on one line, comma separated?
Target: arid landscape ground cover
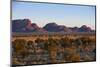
{"x": 34, "y": 48}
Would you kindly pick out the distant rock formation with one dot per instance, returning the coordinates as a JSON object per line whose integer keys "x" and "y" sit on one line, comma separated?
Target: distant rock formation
{"x": 84, "y": 28}
{"x": 53, "y": 27}
{"x": 25, "y": 25}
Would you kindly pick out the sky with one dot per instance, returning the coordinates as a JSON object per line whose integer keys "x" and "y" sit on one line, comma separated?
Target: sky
{"x": 43, "y": 13}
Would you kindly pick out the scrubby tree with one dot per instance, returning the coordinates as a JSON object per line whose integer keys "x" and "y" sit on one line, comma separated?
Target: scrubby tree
{"x": 30, "y": 44}
{"x": 78, "y": 42}
{"x": 19, "y": 45}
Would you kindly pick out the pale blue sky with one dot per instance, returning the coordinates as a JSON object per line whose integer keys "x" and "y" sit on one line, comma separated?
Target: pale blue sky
{"x": 43, "y": 13}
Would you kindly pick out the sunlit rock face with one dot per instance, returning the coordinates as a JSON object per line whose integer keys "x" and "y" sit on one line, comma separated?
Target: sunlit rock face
{"x": 25, "y": 25}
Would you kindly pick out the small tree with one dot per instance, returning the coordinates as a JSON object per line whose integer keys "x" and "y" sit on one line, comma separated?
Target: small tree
{"x": 19, "y": 45}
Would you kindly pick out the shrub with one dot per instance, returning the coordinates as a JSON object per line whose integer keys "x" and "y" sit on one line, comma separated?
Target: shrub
{"x": 19, "y": 45}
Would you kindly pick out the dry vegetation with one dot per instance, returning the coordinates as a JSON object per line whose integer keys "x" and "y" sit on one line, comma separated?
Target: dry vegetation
{"x": 52, "y": 48}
